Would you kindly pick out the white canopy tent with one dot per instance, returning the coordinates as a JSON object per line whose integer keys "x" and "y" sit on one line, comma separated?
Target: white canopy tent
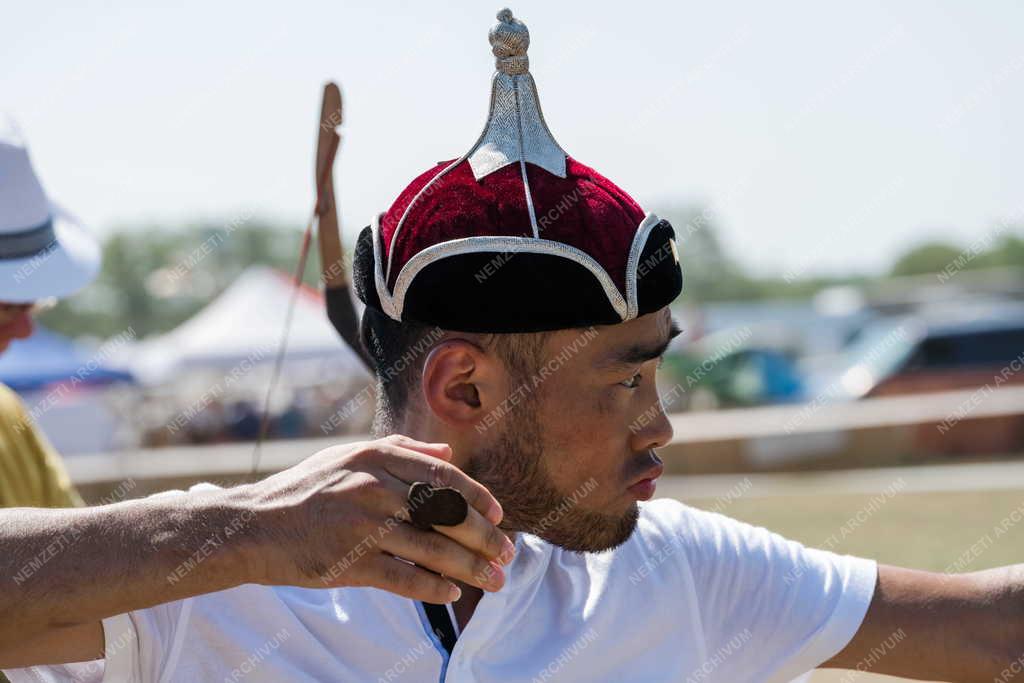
{"x": 240, "y": 331}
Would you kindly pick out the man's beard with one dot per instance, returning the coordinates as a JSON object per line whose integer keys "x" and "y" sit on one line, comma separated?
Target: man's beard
{"x": 513, "y": 470}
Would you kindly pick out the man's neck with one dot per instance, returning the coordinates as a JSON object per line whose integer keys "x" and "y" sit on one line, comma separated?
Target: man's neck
{"x": 466, "y": 605}
{"x": 415, "y": 428}
{"x": 423, "y": 429}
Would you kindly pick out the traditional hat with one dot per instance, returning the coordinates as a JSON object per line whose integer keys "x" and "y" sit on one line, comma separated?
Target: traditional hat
{"x": 44, "y": 252}
{"x": 515, "y": 235}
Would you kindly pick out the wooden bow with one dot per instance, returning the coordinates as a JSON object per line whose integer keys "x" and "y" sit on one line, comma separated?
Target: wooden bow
{"x": 326, "y": 215}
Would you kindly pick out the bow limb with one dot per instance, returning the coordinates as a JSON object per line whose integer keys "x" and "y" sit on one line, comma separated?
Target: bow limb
{"x": 332, "y": 262}
{"x": 341, "y": 309}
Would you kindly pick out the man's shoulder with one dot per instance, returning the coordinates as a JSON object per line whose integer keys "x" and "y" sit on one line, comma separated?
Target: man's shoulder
{"x": 11, "y": 407}
{"x": 7, "y": 394}
{"x": 696, "y": 531}
{"x": 667, "y": 517}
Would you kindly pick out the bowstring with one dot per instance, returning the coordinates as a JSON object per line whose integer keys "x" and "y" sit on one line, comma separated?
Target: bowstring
{"x": 300, "y": 270}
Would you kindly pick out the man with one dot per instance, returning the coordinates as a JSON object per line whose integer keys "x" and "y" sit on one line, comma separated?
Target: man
{"x": 521, "y": 365}
{"x": 44, "y": 253}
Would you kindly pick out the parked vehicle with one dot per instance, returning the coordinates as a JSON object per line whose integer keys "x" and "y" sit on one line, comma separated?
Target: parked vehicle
{"x": 745, "y": 366}
{"x": 972, "y": 350}
{"x": 938, "y": 349}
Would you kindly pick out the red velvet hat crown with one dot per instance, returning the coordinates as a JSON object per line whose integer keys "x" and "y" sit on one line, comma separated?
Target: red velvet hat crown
{"x": 515, "y": 235}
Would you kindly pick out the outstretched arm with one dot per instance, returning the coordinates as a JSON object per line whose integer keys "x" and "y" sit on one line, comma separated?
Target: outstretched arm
{"x": 339, "y": 518}
{"x": 65, "y": 569}
{"x": 941, "y": 627}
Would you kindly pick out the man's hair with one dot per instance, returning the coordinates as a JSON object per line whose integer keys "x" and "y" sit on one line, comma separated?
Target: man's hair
{"x": 398, "y": 350}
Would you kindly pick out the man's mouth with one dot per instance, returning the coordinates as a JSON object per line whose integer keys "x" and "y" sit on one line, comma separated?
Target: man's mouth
{"x": 643, "y": 488}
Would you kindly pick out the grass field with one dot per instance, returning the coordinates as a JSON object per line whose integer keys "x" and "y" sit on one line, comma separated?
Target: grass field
{"x": 934, "y": 531}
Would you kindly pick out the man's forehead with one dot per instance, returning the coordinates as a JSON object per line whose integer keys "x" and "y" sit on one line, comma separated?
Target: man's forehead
{"x": 651, "y": 328}
{"x": 605, "y": 343}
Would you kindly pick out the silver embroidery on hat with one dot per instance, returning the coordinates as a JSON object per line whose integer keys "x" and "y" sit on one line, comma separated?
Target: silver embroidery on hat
{"x": 515, "y": 129}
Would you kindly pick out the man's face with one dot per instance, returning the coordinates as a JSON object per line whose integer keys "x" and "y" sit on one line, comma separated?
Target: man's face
{"x": 15, "y": 323}
{"x": 572, "y": 450}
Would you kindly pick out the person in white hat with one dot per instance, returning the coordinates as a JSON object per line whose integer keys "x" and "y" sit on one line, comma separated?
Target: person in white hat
{"x": 44, "y": 254}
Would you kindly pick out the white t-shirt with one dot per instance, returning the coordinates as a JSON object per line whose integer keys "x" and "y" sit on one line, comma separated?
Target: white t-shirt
{"x": 691, "y": 597}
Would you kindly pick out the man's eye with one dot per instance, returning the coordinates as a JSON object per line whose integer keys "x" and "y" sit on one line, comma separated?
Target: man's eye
{"x": 633, "y": 382}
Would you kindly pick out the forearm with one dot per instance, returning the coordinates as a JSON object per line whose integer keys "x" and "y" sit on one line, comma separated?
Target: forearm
{"x": 997, "y": 621}
{"x": 64, "y": 567}
{"x": 941, "y": 627}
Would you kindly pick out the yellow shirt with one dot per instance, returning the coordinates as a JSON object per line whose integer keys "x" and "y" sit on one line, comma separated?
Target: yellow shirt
{"x": 31, "y": 472}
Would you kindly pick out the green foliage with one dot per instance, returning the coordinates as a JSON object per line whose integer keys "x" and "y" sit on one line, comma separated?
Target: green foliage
{"x": 926, "y": 258}
{"x": 990, "y": 250}
{"x": 1008, "y": 252}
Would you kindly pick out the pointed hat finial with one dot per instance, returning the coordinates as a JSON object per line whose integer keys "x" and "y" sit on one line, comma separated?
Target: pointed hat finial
{"x": 510, "y": 39}
{"x": 515, "y": 131}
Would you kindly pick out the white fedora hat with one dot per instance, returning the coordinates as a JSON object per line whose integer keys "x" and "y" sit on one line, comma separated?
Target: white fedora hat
{"x": 44, "y": 252}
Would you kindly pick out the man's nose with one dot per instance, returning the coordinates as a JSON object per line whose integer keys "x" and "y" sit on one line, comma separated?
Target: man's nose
{"x": 652, "y": 430}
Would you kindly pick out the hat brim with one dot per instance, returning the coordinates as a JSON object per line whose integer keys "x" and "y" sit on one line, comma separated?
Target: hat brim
{"x": 70, "y": 263}
{"x": 509, "y": 285}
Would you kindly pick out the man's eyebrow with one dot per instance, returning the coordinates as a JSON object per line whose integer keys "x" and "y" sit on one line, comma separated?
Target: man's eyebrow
{"x": 641, "y": 353}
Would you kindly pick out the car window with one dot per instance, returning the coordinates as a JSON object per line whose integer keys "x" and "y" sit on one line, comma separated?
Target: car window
{"x": 990, "y": 348}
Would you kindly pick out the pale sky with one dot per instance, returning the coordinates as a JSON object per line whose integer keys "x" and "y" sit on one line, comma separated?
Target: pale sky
{"x": 824, "y": 137}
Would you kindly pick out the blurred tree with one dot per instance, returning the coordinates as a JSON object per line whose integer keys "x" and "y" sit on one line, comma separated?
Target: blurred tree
{"x": 930, "y": 257}
{"x": 1007, "y": 252}
{"x": 988, "y": 251}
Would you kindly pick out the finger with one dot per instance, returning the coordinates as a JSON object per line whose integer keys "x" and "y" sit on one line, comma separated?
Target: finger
{"x": 441, "y": 554}
{"x": 394, "y": 575}
{"x": 476, "y": 533}
{"x": 480, "y": 536}
{"x": 412, "y": 466}
{"x": 436, "y": 450}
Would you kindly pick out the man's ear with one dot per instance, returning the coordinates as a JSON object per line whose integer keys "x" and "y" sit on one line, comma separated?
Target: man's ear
{"x": 459, "y": 381}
